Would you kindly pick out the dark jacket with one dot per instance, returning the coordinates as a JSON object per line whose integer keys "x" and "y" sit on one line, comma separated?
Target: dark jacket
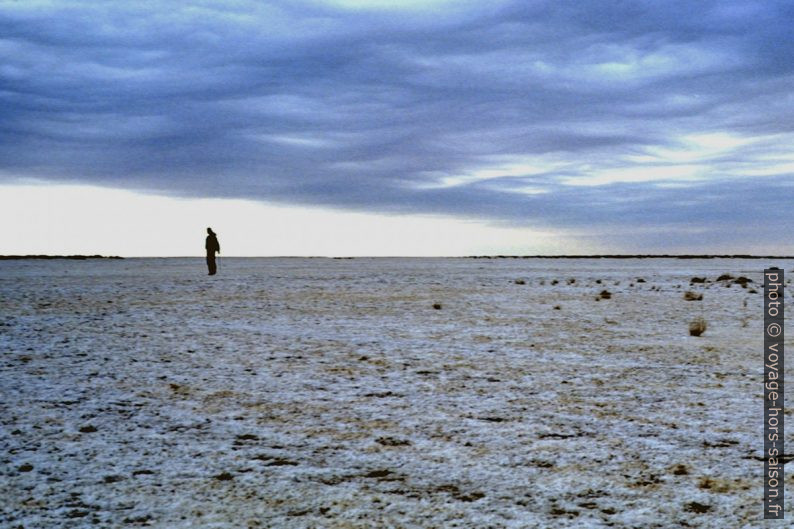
{"x": 212, "y": 245}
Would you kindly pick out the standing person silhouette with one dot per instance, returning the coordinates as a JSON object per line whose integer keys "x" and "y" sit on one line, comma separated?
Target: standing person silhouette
{"x": 212, "y": 246}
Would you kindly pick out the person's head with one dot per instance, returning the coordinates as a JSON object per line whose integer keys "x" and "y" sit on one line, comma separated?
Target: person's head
{"x": 209, "y": 230}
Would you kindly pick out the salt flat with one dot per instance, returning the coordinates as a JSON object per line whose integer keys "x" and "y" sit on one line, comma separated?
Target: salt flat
{"x": 293, "y": 393}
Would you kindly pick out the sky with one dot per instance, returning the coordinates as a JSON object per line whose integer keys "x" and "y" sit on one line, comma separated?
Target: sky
{"x": 375, "y": 127}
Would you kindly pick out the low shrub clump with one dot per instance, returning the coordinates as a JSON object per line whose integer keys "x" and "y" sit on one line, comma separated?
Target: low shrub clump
{"x": 697, "y": 326}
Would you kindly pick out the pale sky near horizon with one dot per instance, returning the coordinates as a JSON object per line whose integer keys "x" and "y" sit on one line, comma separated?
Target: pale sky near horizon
{"x": 413, "y": 127}
{"x": 78, "y": 219}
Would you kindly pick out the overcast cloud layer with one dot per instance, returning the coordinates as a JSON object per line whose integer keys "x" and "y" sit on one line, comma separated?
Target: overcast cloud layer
{"x": 658, "y": 124}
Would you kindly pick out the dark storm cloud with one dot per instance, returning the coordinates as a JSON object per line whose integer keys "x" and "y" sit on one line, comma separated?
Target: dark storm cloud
{"x": 501, "y": 112}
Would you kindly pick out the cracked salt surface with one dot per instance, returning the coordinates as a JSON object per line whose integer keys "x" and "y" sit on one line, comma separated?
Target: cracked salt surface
{"x": 330, "y": 393}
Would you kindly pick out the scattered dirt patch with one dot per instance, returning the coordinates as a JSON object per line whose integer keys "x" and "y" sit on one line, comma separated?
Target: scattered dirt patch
{"x": 243, "y": 439}
{"x": 720, "y": 443}
{"x": 696, "y": 507}
{"x": 680, "y": 470}
{"x": 275, "y": 461}
{"x": 391, "y": 441}
{"x": 555, "y": 435}
{"x": 380, "y": 474}
{"x": 144, "y": 519}
{"x": 714, "y": 485}
{"x": 381, "y": 395}
{"x": 556, "y": 511}
{"x": 472, "y": 496}
{"x": 492, "y": 419}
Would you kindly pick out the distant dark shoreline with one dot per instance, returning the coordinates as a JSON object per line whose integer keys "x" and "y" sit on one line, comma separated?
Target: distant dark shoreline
{"x": 596, "y": 256}
{"x": 72, "y": 257}
{"x": 635, "y": 256}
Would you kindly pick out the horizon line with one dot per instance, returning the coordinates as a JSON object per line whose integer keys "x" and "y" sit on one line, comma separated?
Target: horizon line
{"x": 491, "y": 256}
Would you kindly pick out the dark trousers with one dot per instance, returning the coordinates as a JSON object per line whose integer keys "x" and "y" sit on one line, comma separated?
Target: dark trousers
{"x": 211, "y": 263}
